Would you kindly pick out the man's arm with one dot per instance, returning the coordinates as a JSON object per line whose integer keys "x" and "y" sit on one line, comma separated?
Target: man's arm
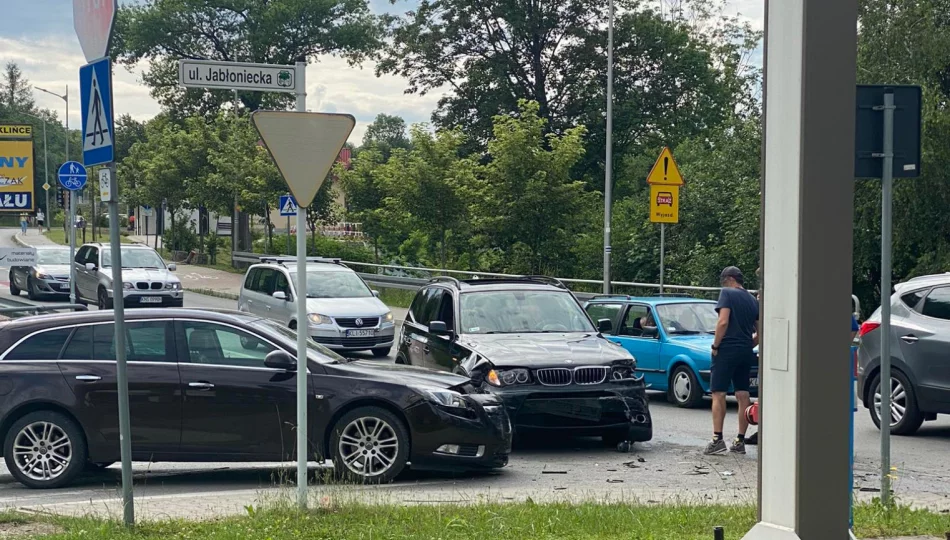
{"x": 758, "y": 332}
{"x": 721, "y": 325}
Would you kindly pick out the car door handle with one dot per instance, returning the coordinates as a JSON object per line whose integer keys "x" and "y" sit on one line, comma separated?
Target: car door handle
{"x": 910, "y": 338}
{"x": 88, "y": 378}
{"x": 425, "y": 349}
{"x": 201, "y": 384}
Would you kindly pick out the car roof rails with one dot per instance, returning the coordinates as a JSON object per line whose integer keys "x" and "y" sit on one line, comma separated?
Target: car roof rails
{"x": 281, "y": 259}
{"x": 602, "y": 296}
{"x": 447, "y": 279}
{"x": 673, "y": 295}
{"x": 548, "y": 280}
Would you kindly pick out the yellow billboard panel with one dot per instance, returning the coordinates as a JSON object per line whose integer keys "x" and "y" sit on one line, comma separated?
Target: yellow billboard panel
{"x": 664, "y": 203}
{"x": 16, "y": 131}
{"x": 16, "y": 176}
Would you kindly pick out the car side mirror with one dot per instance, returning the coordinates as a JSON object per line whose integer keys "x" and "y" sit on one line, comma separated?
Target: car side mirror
{"x": 651, "y": 331}
{"x": 172, "y": 267}
{"x": 280, "y": 360}
{"x": 375, "y": 293}
{"x": 90, "y": 266}
{"x": 604, "y": 326}
{"x": 280, "y": 295}
{"x": 440, "y": 329}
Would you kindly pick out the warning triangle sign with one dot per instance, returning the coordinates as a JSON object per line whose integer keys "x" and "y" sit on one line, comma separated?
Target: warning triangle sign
{"x": 97, "y": 133}
{"x": 289, "y": 207}
{"x": 304, "y": 146}
{"x": 664, "y": 171}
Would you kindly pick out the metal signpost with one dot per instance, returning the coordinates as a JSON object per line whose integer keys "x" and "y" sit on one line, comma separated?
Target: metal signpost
{"x": 665, "y": 181}
{"x": 887, "y": 145}
{"x": 72, "y": 176}
{"x": 304, "y": 146}
{"x": 288, "y": 208}
{"x": 608, "y": 161}
{"x": 94, "y": 21}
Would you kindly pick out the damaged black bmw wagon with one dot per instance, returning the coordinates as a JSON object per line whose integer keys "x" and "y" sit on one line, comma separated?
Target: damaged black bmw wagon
{"x": 530, "y": 342}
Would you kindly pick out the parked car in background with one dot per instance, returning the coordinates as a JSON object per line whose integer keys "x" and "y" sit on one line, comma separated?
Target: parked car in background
{"x": 920, "y": 355}
{"x": 221, "y": 386}
{"x": 671, "y": 337}
{"x": 529, "y": 341}
{"x": 49, "y": 277}
{"x": 146, "y": 280}
{"x": 343, "y": 313}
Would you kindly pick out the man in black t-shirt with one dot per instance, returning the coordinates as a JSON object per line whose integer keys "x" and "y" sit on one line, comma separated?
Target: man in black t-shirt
{"x": 732, "y": 356}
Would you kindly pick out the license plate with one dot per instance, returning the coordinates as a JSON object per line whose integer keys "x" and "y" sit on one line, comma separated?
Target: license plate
{"x": 150, "y": 300}
{"x": 754, "y": 381}
{"x": 360, "y": 333}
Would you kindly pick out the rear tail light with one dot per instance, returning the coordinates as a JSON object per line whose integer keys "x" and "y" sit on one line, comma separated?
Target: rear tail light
{"x": 868, "y": 326}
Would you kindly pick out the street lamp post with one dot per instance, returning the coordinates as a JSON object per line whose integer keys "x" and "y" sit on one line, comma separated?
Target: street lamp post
{"x": 72, "y": 200}
{"x": 49, "y": 217}
{"x": 608, "y": 162}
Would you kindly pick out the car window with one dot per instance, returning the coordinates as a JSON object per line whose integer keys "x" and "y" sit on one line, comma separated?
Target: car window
{"x": 446, "y": 310}
{"x": 81, "y": 255}
{"x": 937, "y": 303}
{"x": 688, "y": 318}
{"x": 216, "y": 344}
{"x": 265, "y": 281}
{"x": 637, "y": 319}
{"x": 334, "y": 284}
{"x": 417, "y": 306}
{"x": 43, "y": 346}
{"x": 519, "y": 312}
{"x": 282, "y": 284}
{"x": 80, "y": 345}
{"x": 52, "y": 256}
{"x": 433, "y": 305}
{"x": 144, "y": 342}
{"x": 251, "y": 281}
{"x": 135, "y": 258}
{"x": 600, "y": 311}
{"x": 913, "y": 298}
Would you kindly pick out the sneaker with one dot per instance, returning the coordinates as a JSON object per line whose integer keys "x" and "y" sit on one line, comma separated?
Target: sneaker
{"x": 715, "y": 448}
{"x": 738, "y": 447}
{"x": 753, "y": 439}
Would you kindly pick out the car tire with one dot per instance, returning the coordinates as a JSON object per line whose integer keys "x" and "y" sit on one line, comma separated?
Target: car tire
{"x": 31, "y": 289}
{"x": 684, "y": 389}
{"x": 353, "y": 438}
{"x": 45, "y": 429}
{"x": 902, "y": 393}
{"x": 104, "y": 301}
{"x": 14, "y": 290}
{"x": 381, "y": 352}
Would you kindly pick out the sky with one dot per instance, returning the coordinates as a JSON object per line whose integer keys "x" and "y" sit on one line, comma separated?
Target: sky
{"x": 38, "y": 35}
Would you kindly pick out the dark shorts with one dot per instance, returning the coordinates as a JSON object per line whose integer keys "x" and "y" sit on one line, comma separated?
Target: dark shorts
{"x": 731, "y": 367}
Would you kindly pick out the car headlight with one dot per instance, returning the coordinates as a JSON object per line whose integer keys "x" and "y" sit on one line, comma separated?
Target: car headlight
{"x": 441, "y": 396}
{"x": 173, "y": 285}
{"x": 40, "y": 275}
{"x": 127, "y": 285}
{"x": 508, "y": 377}
{"x": 316, "y": 318}
{"x": 622, "y": 373}
{"x": 388, "y": 317}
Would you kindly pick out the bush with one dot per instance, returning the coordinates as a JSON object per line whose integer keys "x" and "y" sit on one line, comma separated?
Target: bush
{"x": 181, "y": 236}
{"x": 326, "y": 247}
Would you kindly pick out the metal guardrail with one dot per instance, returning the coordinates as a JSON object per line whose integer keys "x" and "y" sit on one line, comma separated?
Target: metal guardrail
{"x": 414, "y": 283}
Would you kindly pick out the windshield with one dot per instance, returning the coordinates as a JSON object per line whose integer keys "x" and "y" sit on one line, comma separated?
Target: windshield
{"x": 688, "y": 318}
{"x": 134, "y": 258}
{"x": 52, "y": 256}
{"x": 518, "y": 312}
{"x": 323, "y": 354}
{"x": 344, "y": 284}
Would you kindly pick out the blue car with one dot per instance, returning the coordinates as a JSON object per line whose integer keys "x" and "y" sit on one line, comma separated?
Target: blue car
{"x": 673, "y": 356}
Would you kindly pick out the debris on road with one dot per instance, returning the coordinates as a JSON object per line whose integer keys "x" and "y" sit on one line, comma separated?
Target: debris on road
{"x": 727, "y": 473}
{"x": 614, "y": 481}
{"x": 631, "y": 465}
{"x": 553, "y": 472}
{"x": 624, "y": 446}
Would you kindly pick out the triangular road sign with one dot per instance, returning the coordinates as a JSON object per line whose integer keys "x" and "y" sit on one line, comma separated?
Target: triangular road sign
{"x": 97, "y": 133}
{"x": 304, "y": 146}
{"x": 664, "y": 171}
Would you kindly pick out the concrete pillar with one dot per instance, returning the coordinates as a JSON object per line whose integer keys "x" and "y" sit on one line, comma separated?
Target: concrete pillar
{"x": 807, "y": 243}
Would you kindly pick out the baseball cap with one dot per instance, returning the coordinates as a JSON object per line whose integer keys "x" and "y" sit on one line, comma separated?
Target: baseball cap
{"x": 733, "y": 272}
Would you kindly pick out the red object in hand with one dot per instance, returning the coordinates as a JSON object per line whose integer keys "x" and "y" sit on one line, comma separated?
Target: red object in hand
{"x": 752, "y": 414}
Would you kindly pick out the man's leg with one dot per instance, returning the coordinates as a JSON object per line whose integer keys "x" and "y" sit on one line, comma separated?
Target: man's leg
{"x": 718, "y": 411}
{"x": 744, "y": 402}
{"x": 720, "y": 378}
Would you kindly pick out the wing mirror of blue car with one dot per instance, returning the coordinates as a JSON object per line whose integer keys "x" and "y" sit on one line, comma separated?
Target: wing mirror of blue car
{"x": 439, "y": 328}
{"x": 604, "y": 326}
{"x": 280, "y": 295}
{"x": 280, "y": 360}
{"x": 650, "y": 331}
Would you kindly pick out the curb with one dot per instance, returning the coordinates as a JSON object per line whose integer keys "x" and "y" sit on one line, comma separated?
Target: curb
{"x": 20, "y": 241}
{"x": 211, "y": 292}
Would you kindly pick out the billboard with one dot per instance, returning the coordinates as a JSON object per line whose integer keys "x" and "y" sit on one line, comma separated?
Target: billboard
{"x": 16, "y": 175}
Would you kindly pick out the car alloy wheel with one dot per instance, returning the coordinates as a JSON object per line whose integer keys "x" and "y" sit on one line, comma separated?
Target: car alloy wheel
{"x": 905, "y": 416}
{"x": 42, "y": 451}
{"x": 684, "y": 390}
{"x": 898, "y": 401}
{"x": 368, "y": 446}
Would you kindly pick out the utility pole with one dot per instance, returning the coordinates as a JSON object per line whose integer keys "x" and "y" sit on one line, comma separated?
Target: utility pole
{"x": 608, "y": 163}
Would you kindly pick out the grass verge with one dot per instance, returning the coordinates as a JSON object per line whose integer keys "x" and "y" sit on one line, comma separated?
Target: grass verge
{"x": 496, "y": 521}
{"x": 59, "y": 236}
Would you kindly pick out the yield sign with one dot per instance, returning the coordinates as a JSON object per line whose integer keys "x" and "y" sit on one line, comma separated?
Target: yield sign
{"x": 304, "y": 146}
{"x": 664, "y": 171}
{"x": 93, "y": 20}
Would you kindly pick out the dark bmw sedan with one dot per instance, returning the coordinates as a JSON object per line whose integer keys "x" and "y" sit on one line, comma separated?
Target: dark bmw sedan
{"x": 220, "y": 386}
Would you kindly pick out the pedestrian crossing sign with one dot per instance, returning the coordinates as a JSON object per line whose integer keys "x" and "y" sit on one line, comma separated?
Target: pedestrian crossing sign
{"x": 288, "y": 205}
{"x": 95, "y": 88}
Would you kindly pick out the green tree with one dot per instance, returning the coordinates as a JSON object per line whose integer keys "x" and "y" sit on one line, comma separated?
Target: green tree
{"x": 16, "y": 94}
{"x": 527, "y": 208}
{"x": 365, "y": 200}
{"x": 264, "y": 31}
{"x": 386, "y": 133}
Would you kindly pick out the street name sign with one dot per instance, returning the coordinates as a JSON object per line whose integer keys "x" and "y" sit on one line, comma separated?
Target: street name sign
{"x": 95, "y": 89}
{"x": 304, "y": 146}
{"x": 237, "y": 76}
{"x": 72, "y": 176}
{"x": 288, "y": 206}
{"x": 93, "y": 21}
